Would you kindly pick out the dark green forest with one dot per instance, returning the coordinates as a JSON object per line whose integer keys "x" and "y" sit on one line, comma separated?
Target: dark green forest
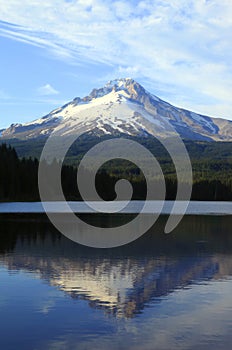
{"x": 211, "y": 163}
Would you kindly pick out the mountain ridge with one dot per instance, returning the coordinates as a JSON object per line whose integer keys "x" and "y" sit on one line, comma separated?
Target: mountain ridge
{"x": 123, "y": 106}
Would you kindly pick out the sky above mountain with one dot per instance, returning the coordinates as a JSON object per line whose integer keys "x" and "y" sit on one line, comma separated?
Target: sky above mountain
{"x": 56, "y": 50}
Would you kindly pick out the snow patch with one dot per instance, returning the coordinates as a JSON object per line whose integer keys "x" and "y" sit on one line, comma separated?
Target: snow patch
{"x": 204, "y": 122}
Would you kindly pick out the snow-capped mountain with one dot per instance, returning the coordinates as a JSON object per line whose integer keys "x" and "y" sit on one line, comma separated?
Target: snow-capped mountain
{"x": 123, "y": 106}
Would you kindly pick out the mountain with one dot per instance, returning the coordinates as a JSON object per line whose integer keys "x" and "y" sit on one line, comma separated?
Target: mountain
{"x": 123, "y": 106}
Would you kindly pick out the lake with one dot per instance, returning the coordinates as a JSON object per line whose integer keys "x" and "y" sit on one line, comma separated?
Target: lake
{"x": 160, "y": 292}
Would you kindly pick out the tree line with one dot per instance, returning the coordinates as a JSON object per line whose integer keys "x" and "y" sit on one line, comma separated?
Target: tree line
{"x": 19, "y": 179}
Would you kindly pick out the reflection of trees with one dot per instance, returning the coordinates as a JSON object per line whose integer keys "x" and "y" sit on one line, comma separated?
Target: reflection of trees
{"x": 124, "y": 280}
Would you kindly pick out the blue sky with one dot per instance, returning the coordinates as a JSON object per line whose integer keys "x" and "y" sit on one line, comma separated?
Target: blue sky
{"x": 55, "y": 50}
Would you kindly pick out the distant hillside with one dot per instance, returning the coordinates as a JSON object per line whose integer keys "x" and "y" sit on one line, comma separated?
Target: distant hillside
{"x": 212, "y": 178}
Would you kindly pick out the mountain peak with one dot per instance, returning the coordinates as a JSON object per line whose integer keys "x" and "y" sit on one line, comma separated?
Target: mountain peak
{"x": 127, "y": 84}
{"x": 121, "y": 82}
{"x": 131, "y": 87}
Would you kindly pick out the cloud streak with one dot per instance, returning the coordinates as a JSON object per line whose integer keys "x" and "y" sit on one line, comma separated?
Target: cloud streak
{"x": 182, "y": 49}
{"x": 47, "y": 90}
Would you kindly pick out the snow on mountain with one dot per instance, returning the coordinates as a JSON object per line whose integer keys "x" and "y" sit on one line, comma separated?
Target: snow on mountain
{"x": 123, "y": 106}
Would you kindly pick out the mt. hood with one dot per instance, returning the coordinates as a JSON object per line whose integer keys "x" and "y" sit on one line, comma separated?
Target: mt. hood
{"x": 123, "y": 106}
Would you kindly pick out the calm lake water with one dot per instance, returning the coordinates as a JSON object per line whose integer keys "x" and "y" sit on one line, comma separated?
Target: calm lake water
{"x": 160, "y": 292}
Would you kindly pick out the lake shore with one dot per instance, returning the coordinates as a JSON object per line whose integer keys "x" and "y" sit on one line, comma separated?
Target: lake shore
{"x": 194, "y": 207}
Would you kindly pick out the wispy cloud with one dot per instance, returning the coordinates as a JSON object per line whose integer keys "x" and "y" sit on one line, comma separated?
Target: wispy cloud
{"x": 185, "y": 45}
{"x": 47, "y": 90}
{"x": 4, "y": 95}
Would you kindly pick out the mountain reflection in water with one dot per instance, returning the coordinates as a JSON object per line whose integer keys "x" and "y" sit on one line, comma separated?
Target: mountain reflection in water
{"x": 122, "y": 281}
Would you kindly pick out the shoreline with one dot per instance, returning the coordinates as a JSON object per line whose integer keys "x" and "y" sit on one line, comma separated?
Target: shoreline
{"x": 134, "y": 207}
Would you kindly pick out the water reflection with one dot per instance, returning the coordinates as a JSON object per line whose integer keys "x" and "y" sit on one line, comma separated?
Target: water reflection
{"x": 125, "y": 280}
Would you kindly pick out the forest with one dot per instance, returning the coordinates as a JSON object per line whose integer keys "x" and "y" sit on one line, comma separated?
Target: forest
{"x": 212, "y": 175}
